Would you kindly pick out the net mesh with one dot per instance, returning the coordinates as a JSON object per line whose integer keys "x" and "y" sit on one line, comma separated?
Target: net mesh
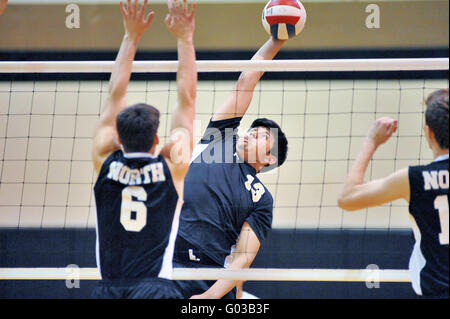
{"x": 46, "y": 130}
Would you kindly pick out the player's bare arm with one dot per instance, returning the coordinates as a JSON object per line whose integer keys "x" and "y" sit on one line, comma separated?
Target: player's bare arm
{"x": 242, "y": 257}
{"x": 180, "y": 21}
{"x": 358, "y": 195}
{"x": 136, "y": 23}
{"x": 238, "y": 101}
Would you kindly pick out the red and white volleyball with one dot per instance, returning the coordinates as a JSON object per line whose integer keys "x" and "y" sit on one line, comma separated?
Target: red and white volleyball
{"x": 284, "y": 19}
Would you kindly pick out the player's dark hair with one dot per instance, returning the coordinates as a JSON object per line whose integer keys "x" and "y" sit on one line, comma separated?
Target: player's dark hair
{"x": 436, "y": 116}
{"x": 137, "y": 126}
{"x": 280, "y": 146}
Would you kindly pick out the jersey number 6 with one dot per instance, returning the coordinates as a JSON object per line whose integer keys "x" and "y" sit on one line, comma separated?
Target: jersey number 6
{"x": 130, "y": 206}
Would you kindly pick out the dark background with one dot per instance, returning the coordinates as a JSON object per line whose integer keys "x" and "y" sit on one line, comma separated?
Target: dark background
{"x": 288, "y": 248}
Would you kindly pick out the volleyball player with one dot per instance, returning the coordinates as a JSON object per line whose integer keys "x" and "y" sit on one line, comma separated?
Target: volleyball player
{"x": 227, "y": 210}
{"x": 139, "y": 194}
{"x": 3, "y": 5}
{"x": 425, "y": 187}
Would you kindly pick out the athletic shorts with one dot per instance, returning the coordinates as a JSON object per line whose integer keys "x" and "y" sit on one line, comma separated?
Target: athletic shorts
{"x": 149, "y": 288}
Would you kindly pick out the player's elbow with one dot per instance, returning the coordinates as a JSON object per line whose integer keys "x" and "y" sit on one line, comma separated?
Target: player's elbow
{"x": 187, "y": 106}
{"x": 116, "y": 91}
{"x": 187, "y": 95}
{"x": 247, "y": 82}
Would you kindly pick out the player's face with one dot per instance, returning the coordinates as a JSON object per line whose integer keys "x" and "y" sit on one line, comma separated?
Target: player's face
{"x": 255, "y": 145}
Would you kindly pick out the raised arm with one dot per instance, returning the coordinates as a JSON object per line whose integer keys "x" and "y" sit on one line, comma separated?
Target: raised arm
{"x": 3, "y": 4}
{"x": 105, "y": 136}
{"x": 239, "y": 99}
{"x": 243, "y": 256}
{"x": 177, "y": 151}
{"x": 355, "y": 193}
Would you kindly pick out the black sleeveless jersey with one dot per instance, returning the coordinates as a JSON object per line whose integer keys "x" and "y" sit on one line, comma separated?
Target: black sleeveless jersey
{"x": 221, "y": 192}
{"x": 429, "y": 209}
{"x": 136, "y": 203}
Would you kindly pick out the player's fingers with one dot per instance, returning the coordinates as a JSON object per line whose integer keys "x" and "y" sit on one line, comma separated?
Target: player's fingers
{"x": 394, "y": 126}
{"x": 185, "y": 7}
{"x": 136, "y": 7}
{"x": 385, "y": 122}
{"x": 176, "y": 4}
{"x": 389, "y": 128}
{"x": 143, "y": 7}
{"x": 167, "y": 20}
{"x": 171, "y": 6}
{"x": 148, "y": 20}
{"x": 123, "y": 10}
{"x": 129, "y": 8}
{"x": 380, "y": 124}
{"x": 193, "y": 9}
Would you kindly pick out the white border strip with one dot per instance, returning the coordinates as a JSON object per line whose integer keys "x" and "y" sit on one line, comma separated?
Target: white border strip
{"x": 232, "y": 66}
{"x": 254, "y": 274}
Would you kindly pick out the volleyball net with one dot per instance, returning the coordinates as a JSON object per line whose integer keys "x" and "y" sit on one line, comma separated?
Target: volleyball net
{"x": 46, "y": 129}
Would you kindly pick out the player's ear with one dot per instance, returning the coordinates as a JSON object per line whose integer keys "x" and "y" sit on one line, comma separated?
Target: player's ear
{"x": 156, "y": 139}
{"x": 271, "y": 159}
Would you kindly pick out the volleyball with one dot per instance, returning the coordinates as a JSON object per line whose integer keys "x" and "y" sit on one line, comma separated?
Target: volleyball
{"x": 283, "y": 19}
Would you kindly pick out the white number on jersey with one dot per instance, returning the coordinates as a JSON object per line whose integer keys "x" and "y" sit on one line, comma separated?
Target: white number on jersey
{"x": 257, "y": 190}
{"x": 138, "y": 207}
{"x": 441, "y": 204}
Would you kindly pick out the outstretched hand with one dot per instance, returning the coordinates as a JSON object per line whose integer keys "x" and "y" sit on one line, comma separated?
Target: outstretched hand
{"x": 179, "y": 21}
{"x": 382, "y": 130}
{"x": 3, "y": 4}
{"x": 134, "y": 19}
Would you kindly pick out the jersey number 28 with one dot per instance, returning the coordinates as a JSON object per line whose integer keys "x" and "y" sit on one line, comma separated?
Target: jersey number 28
{"x": 137, "y": 207}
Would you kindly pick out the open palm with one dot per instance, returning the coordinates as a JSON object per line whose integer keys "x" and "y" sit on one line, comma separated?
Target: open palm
{"x": 134, "y": 19}
{"x": 179, "y": 21}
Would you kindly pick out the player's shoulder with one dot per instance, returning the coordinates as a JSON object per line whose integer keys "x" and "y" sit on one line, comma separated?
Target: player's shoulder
{"x": 267, "y": 197}
{"x": 111, "y": 162}
{"x": 439, "y": 164}
{"x": 219, "y": 129}
{"x": 113, "y": 156}
{"x": 429, "y": 177}
{"x": 228, "y": 122}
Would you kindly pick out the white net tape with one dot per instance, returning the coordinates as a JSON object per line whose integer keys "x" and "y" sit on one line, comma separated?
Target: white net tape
{"x": 234, "y": 66}
{"x": 266, "y": 274}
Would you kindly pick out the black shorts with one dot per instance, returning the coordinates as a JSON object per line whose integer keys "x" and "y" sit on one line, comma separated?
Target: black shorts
{"x": 149, "y": 288}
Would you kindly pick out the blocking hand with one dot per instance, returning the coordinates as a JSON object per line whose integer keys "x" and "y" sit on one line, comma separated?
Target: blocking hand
{"x": 134, "y": 19}
{"x": 179, "y": 21}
